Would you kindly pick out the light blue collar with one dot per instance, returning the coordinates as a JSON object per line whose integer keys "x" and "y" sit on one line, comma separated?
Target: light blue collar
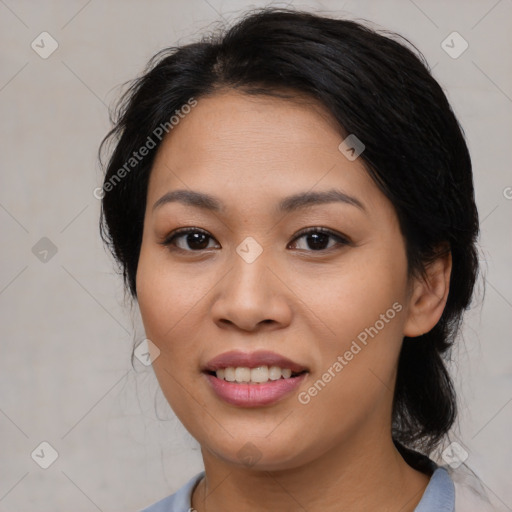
{"x": 439, "y": 496}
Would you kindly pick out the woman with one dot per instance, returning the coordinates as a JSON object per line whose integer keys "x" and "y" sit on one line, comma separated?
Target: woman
{"x": 291, "y": 204}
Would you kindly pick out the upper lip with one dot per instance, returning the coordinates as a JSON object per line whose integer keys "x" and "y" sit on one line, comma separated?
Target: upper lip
{"x": 236, "y": 358}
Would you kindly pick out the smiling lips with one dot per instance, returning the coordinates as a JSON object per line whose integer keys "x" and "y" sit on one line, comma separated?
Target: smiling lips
{"x": 253, "y": 379}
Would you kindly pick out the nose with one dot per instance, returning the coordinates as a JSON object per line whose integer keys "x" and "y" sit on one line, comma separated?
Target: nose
{"x": 252, "y": 296}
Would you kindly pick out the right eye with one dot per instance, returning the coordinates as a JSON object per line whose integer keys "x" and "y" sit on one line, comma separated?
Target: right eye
{"x": 196, "y": 239}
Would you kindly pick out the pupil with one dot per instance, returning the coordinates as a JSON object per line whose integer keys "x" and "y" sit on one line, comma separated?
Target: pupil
{"x": 197, "y": 238}
{"x": 318, "y": 239}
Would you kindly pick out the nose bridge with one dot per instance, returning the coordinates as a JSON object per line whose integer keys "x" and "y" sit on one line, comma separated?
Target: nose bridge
{"x": 250, "y": 272}
{"x": 250, "y": 250}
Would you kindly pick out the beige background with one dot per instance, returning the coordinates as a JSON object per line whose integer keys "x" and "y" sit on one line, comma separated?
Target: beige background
{"x": 65, "y": 374}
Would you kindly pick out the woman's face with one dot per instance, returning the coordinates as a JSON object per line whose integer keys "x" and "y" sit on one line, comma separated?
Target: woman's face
{"x": 247, "y": 280}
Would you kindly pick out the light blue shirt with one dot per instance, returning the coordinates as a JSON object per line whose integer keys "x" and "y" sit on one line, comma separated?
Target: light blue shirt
{"x": 439, "y": 496}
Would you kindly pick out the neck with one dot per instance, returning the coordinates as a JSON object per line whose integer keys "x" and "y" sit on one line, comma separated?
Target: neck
{"x": 362, "y": 474}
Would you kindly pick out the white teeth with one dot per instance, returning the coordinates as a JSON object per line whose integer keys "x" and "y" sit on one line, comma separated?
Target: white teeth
{"x": 259, "y": 374}
{"x": 229, "y": 374}
{"x": 242, "y": 374}
{"x": 253, "y": 375}
{"x": 274, "y": 373}
{"x": 286, "y": 373}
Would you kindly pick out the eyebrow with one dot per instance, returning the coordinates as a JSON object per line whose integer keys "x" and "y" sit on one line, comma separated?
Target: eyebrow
{"x": 286, "y": 205}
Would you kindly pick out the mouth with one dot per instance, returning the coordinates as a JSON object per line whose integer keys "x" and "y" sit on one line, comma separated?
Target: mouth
{"x": 254, "y": 376}
{"x": 253, "y": 379}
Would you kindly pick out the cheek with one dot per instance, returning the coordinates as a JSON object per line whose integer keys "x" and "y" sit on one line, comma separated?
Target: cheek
{"x": 166, "y": 301}
{"x": 364, "y": 306}
{"x": 166, "y": 295}
{"x": 355, "y": 294}
{"x": 171, "y": 300}
{"x": 355, "y": 380}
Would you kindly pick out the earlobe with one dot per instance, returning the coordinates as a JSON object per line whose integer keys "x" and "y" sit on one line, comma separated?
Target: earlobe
{"x": 428, "y": 297}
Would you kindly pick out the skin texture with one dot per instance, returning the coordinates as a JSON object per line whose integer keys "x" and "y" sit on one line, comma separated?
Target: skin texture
{"x": 335, "y": 452}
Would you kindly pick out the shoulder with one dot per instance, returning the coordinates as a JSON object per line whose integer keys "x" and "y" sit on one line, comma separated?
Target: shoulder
{"x": 458, "y": 490}
{"x": 180, "y": 501}
{"x": 450, "y": 489}
{"x": 471, "y": 494}
{"x": 462, "y": 487}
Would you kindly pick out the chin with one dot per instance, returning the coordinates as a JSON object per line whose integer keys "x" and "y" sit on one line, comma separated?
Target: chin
{"x": 258, "y": 453}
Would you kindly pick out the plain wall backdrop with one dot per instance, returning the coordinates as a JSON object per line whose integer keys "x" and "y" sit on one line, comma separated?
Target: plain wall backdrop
{"x": 66, "y": 334}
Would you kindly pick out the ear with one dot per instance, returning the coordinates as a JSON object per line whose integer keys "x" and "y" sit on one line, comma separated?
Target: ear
{"x": 428, "y": 297}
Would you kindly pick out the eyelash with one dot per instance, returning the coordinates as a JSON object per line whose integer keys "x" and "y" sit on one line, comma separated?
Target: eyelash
{"x": 341, "y": 240}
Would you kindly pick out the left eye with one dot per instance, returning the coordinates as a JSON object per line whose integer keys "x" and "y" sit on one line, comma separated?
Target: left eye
{"x": 197, "y": 240}
{"x": 317, "y": 238}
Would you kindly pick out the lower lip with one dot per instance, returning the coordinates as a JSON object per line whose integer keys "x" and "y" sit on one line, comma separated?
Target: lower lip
{"x": 253, "y": 395}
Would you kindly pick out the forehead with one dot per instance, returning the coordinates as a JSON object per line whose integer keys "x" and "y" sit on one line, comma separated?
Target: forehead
{"x": 254, "y": 146}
